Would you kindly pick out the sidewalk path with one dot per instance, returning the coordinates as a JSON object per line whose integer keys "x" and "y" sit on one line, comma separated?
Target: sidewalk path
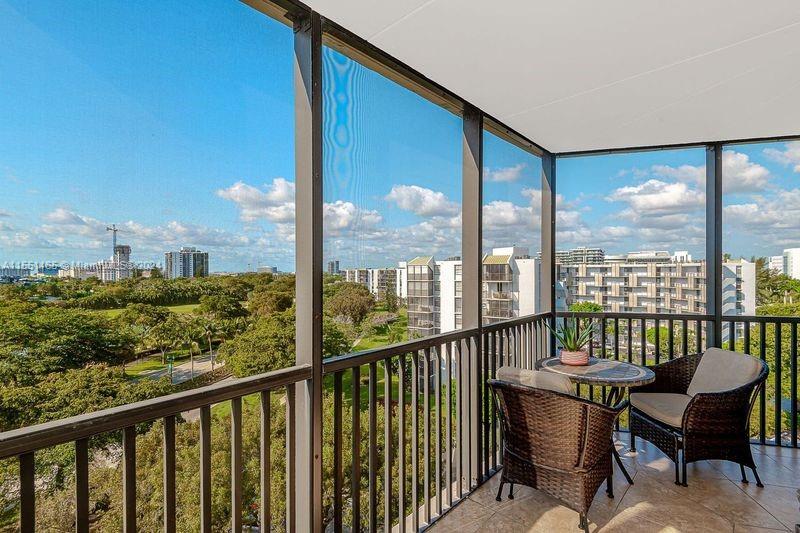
{"x": 183, "y": 371}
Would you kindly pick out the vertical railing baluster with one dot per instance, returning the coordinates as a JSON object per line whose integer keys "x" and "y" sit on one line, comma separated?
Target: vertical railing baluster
{"x": 762, "y": 400}
{"x": 205, "y": 469}
{"x": 236, "y": 465}
{"x": 630, "y": 340}
{"x": 493, "y": 374}
{"x": 355, "y": 480}
{"x": 657, "y": 333}
{"x": 643, "y": 340}
{"x": 699, "y": 334}
{"x": 437, "y": 387}
{"x": 616, "y": 338}
{"x": 487, "y": 396}
{"x": 129, "y": 479}
{"x": 591, "y": 351}
{"x": 732, "y": 336}
{"x": 414, "y": 441}
{"x": 169, "y": 475}
{"x": 459, "y": 419}
{"x": 387, "y": 445}
{"x": 685, "y": 339}
{"x": 426, "y": 433}
{"x": 448, "y": 353}
{"x": 265, "y": 458}
{"x": 401, "y": 442}
{"x": 338, "y": 474}
{"x": 27, "y": 493}
{"x": 82, "y": 486}
{"x": 671, "y": 339}
{"x": 777, "y": 394}
{"x": 291, "y": 459}
{"x": 373, "y": 447}
{"x": 793, "y": 385}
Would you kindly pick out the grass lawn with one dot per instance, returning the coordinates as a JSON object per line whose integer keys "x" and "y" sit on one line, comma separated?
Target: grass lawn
{"x": 180, "y": 309}
{"x": 381, "y": 336}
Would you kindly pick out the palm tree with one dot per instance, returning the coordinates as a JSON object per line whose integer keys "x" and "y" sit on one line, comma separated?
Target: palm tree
{"x": 210, "y": 329}
{"x": 189, "y": 333}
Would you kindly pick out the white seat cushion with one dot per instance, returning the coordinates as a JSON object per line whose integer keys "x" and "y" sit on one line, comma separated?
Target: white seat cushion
{"x": 662, "y": 406}
{"x": 535, "y": 378}
{"x": 722, "y": 370}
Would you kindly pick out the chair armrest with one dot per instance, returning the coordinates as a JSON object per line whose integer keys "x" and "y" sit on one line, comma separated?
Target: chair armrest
{"x": 598, "y": 436}
{"x": 719, "y": 413}
{"x": 672, "y": 376}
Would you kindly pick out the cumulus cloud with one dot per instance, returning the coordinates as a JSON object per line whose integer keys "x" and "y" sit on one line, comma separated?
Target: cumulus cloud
{"x": 740, "y": 174}
{"x": 4, "y": 213}
{"x": 659, "y": 197}
{"x": 274, "y": 202}
{"x": 511, "y": 173}
{"x": 688, "y": 173}
{"x": 790, "y": 155}
{"x": 341, "y": 216}
{"x": 422, "y": 201}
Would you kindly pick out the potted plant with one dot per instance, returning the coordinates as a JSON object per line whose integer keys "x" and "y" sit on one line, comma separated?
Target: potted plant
{"x": 573, "y": 341}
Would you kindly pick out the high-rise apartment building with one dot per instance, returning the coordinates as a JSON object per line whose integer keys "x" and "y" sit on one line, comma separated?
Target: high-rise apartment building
{"x": 189, "y": 262}
{"x": 333, "y": 267}
{"x": 791, "y": 262}
{"x": 657, "y": 286}
{"x": 377, "y": 280}
{"x": 580, "y": 255}
{"x": 434, "y": 290}
{"x": 775, "y": 263}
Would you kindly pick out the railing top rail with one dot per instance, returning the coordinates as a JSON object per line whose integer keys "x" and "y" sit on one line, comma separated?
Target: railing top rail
{"x": 351, "y": 360}
{"x": 497, "y": 326}
{"x": 78, "y": 427}
{"x": 646, "y": 316}
{"x": 761, "y": 319}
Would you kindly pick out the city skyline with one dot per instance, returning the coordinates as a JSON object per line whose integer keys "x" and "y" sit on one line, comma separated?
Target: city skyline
{"x": 220, "y": 175}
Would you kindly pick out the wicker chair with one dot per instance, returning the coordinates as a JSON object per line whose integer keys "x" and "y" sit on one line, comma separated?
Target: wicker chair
{"x": 706, "y": 420}
{"x": 555, "y": 442}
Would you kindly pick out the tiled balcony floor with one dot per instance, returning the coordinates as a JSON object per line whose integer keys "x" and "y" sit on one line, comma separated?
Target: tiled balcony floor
{"x": 715, "y": 500}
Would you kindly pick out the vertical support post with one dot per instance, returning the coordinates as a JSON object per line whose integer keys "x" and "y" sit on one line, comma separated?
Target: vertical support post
{"x": 472, "y": 266}
{"x": 548, "y": 229}
{"x": 714, "y": 242}
{"x": 308, "y": 224}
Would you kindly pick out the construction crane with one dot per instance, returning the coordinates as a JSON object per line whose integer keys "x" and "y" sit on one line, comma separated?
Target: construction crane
{"x": 113, "y": 229}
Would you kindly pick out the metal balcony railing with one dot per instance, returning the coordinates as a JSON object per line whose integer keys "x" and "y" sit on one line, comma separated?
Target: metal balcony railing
{"x": 427, "y": 397}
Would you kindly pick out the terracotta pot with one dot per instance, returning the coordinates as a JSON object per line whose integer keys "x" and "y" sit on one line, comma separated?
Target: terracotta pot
{"x": 574, "y": 358}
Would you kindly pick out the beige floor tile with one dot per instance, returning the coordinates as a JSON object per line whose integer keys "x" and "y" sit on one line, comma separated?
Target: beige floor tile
{"x": 781, "y": 502}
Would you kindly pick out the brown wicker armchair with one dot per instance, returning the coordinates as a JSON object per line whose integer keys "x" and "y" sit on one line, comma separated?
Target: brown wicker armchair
{"x": 555, "y": 442}
{"x": 691, "y": 417}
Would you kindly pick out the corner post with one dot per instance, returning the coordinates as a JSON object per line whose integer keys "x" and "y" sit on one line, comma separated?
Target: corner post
{"x": 548, "y": 267}
{"x": 308, "y": 280}
{"x": 714, "y": 243}
{"x": 472, "y": 264}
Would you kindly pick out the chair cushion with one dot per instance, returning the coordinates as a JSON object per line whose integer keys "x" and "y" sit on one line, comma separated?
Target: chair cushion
{"x": 662, "y": 406}
{"x": 535, "y": 378}
{"x": 722, "y": 370}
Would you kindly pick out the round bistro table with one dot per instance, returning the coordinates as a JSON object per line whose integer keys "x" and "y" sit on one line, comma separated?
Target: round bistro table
{"x": 617, "y": 375}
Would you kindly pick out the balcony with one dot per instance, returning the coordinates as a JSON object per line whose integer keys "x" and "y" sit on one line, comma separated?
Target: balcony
{"x": 404, "y": 436}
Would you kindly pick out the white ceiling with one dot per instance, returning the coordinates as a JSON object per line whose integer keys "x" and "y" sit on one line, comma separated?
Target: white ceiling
{"x": 577, "y": 75}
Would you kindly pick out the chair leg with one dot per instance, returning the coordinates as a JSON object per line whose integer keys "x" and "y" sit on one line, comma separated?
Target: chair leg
{"x": 744, "y": 474}
{"x": 677, "y": 468}
{"x": 633, "y": 443}
{"x": 683, "y": 468}
{"x": 500, "y": 492}
{"x": 583, "y": 522}
{"x": 610, "y": 485}
{"x": 510, "y": 491}
{"x": 758, "y": 479}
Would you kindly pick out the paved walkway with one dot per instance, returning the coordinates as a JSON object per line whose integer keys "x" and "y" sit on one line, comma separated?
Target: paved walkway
{"x": 183, "y": 371}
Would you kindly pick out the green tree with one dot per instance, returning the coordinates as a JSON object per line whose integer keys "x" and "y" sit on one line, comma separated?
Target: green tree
{"x": 390, "y": 301}
{"x": 220, "y": 307}
{"x": 269, "y": 301}
{"x": 268, "y": 344}
{"x": 141, "y": 318}
{"x": 352, "y": 301}
{"x": 585, "y": 307}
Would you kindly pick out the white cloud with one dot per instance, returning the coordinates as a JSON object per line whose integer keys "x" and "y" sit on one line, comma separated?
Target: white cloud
{"x": 274, "y": 203}
{"x": 4, "y": 213}
{"x": 511, "y": 173}
{"x": 688, "y": 173}
{"x": 421, "y": 201}
{"x": 742, "y": 175}
{"x": 790, "y": 155}
{"x": 341, "y": 216}
{"x": 655, "y": 197}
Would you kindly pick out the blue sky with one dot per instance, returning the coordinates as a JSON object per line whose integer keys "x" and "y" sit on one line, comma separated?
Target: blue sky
{"x": 175, "y": 122}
